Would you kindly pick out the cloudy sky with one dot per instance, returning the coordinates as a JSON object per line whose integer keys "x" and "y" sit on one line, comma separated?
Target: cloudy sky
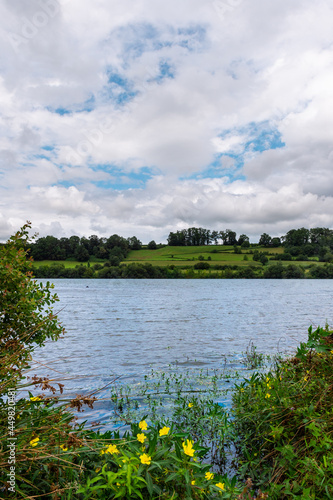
{"x": 142, "y": 117}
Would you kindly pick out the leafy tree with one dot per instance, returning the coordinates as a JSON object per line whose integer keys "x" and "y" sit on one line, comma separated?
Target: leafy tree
{"x": 119, "y": 241}
{"x": 214, "y": 236}
{"x": 48, "y": 248}
{"x": 319, "y": 272}
{"x": 319, "y": 235}
{"x": 230, "y": 237}
{"x": 74, "y": 242}
{"x": 117, "y": 252}
{"x": 275, "y": 242}
{"x": 82, "y": 254}
{"x": 134, "y": 243}
{"x": 297, "y": 237}
{"x": 265, "y": 240}
{"x": 114, "y": 260}
{"x": 94, "y": 243}
{"x": 152, "y": 245}
{"x": 260, "y": 257}
{"x": 243, "y": 239}
{"x": 293, "y": 271}
{"x": 26, "y": 314}
{"x": 274, "y": 271}
{"x": 263, "y": 259}
{"x": 201, "y": 265}
{"x": 223, "y": 236}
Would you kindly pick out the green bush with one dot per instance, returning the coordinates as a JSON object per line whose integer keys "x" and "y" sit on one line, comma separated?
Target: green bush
{"x": 283, "y": 424}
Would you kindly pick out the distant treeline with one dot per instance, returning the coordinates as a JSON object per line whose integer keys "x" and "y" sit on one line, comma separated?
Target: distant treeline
{"x": 115, "y": 248}
{"x": 202, "y": 270}
{"x": 309, "y": 241}
{"x": 297, "y": 243}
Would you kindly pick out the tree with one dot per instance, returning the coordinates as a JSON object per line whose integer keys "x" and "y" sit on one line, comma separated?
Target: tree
{"x": 119, "y": 241}
{"x": 214, "y": 237}
{"x": 297, "y": 237}
{"x": 134, "y": 243}
{"x": 244, "y": 239}
{"x": 293, "y": 271}
{"x": 82, "y": 254}
{"x": 230, "y": 237}
{"x": 152, "y": 245}
{"x": 275, "y": 242}
{"x": 274, "y": 271}
{"x": 265, "y": 240}
{"x": 26, "y": 314}
{"x": 48, "y": 248}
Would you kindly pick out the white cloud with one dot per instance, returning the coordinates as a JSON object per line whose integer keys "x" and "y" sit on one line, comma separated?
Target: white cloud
{"x": 191, "y": 81}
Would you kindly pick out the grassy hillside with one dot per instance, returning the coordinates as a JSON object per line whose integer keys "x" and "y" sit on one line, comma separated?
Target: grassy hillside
{"x": 189, "y": 256}
{"x": 69, "y": 264}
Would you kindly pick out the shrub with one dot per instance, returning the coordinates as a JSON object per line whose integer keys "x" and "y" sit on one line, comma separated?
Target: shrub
{"x": 283, "y": 424}
{"x": 201, "y": 265}
{"x": 24, "y": 305}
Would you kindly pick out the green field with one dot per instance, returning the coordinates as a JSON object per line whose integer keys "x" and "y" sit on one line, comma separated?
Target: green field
{"x": 69, "y": 264}
{"x": 185, "y": 257}
{"x": 188, "y": 256}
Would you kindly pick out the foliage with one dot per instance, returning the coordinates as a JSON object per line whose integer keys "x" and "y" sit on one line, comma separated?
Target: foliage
{"x": 253, "y": 359}
{"x": 26, "y": 314}
{"x": 152, "y": 245}
{"x": 154, "y": 462}
{"x": 283, "y": 424}
{"x": 57, "y": 459}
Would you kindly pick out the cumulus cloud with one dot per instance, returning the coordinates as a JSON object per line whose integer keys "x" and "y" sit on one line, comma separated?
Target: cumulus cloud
{"x": 143, "y": 118}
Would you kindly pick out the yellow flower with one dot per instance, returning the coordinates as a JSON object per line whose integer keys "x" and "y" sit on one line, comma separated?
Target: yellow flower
{"x": 209, "y": 476}
{"x": 97, "y": 470}
{"x": 331, "y": 352}
{"x": 34, "y": 442}
{"x": 143, "y": 425}
{"x": 141, "y": 437}
{"x": 188, "y": 448}
{"x": 164, "y": 431}
{"x": 267, "y": 396}
{"x": 221, "y": 486}
{"x": 112, "y": 448}
{"x": 190, "y": 405}
{"x": 36, "y": 398}
{"x": 63, "y": 447}
{"x": 145, "y": 459}
{"x": 305, "y": 379}
{"x": 193, "y": 482}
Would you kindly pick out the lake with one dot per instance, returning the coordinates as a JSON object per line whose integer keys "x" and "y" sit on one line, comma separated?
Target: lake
{"x": 123, "y": 328}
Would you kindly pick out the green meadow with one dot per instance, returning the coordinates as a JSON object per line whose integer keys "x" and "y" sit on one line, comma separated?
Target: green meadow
{"x": 190, "y": 255}
{"x": 184, "y": 257}
{"x": 69, "y": 264}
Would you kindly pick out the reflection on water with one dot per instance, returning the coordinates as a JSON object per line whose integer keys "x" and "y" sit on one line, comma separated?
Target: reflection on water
{"x": 122, "y": 328}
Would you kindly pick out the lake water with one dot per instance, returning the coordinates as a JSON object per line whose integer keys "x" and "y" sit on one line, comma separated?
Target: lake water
{"x": 122, "y": 328}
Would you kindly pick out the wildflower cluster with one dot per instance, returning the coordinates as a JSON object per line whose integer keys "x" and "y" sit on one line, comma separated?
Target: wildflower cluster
{"x": 154, "y": 461}
{"x": 283, "y": 423}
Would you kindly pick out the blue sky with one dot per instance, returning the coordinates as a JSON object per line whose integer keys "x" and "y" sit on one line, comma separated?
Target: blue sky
{"x": 141, "y": 119}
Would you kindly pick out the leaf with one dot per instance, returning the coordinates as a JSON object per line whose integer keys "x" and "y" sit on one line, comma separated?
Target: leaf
{"x": 172, "y": 477}
{"x": 149, "y": 481}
